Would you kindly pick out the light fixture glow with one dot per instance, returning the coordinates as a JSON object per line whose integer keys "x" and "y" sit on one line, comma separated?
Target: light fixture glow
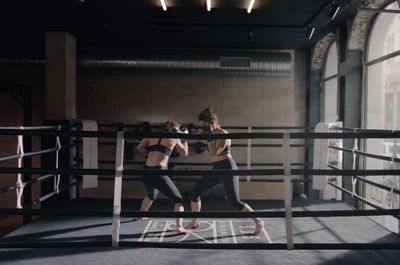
{"x": 164, "y": 6}
{"x": 334, "y": 10}
{"x": 208, "y": 5}
{"x": 250, "y": 6}
{"x": 310, "y": 32}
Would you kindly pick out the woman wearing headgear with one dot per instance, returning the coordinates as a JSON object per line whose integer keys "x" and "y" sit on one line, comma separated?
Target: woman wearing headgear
{"x": 220, "y": 152}
{"x": 158, "y": 152}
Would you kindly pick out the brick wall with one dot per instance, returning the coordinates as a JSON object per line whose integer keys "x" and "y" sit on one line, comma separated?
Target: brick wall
{"x": 246, "y": 101}
{"x": 111, "y": 97}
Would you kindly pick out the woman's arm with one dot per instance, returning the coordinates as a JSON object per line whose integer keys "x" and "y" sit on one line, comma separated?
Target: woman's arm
{"x": 182, "y": 148}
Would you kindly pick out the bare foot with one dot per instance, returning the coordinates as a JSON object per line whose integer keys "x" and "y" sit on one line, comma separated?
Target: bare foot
{"x": 259, "y": 226}
{"x": 136, "y": 219}
{"x": 193, "y": 225}
{"x": 182, "y": 230}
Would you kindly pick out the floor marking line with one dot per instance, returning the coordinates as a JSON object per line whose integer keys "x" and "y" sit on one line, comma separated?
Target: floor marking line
{"x": 215, "y": 232}
{"x": 164, "y": 230}
{"x": 233, "y": 232}
{"x": 145, "y": 231}
{"x": 266, "y": 235}
{"x": 183, "y": 238}
{"x": 196, "y": 235}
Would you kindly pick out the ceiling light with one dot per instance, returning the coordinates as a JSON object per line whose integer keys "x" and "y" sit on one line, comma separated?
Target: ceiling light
{"x": 208, "y": 5}
{"x": 334, "y": 10}
{"x": 250, "y": 6}
{"x": 164, "y": 6}
{"x": 310, "y": 32}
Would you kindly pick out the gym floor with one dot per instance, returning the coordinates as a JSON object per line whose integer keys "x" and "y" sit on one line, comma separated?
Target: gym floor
{"x": 306, "y": 230}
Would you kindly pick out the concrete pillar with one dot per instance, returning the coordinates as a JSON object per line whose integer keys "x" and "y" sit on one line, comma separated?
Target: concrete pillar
{"x": 353, "y": 100}
{"x": 352, "y": 111}
{"x": 314, "y": 97}
{"x": 350, "y": 84}
{"x": 313, "y": 116}
{"x": 60, "y": 96}
{"x": 300, "y": 75}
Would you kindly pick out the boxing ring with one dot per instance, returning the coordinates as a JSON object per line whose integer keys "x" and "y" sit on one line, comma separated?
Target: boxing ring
{"x": 290, "y": 224}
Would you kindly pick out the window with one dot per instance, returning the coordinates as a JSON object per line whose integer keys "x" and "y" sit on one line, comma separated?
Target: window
{"x": 382, "y": 106}
{"x": 389, "y": 111}
{"x": 329, "y": 92}
{"x": 383, "y": 74}
{"x": 384, "y": 36}
{"x": 390, "y": 46}
{"x": 397, "y": 112}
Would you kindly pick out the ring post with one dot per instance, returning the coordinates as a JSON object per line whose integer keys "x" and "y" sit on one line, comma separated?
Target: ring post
{"x": 355, "y": 154}
{"x": 20, "y": 186}
{"x": 57, "y": 176}
{"x": 287, "y": 190}
{"x": 249, "y": 154}
{"x": 119, "y": 166}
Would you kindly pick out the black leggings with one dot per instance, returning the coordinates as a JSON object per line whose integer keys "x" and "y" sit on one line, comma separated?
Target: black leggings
{"x": 231, "y": 184}
{"x": 155, "y": 183}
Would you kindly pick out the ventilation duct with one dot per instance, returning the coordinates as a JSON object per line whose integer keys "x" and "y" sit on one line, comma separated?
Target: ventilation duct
{"x": 186, "y": 62}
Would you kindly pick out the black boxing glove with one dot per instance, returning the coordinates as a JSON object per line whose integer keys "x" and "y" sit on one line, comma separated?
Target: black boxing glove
{"x": 200, "y": 147}
{"x": 207, "y": 130}
{"x": 192, "y": 128}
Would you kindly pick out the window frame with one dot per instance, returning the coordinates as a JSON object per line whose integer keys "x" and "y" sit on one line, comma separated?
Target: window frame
{"x": 324, "y": 79}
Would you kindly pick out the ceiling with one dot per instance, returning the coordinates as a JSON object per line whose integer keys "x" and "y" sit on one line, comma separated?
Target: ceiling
{"x": 272, "y": 24}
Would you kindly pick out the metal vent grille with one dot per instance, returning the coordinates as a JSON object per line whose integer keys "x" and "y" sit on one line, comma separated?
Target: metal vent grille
{"x": 234, "y": 62}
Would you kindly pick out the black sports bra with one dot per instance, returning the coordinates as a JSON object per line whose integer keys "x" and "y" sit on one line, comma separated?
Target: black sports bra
{"x": 158, "y": 147}
{"x": 227, "y": 150}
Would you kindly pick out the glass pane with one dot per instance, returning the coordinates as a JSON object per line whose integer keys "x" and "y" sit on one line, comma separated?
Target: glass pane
{"x": 397, "y": 112}
{"x": 331, "y": 66}
{"x": 330, "y": 100}
{"x": 382, "y": 112}
{"x": 383, "y": 96}
{"x": 385, "y": 35}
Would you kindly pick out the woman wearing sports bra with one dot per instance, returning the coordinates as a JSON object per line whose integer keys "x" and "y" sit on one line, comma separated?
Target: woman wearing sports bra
{"x": 220, "y": 151}
{"x": 158, "y": 152}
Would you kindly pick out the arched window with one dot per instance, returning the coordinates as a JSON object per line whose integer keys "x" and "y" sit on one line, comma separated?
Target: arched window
{"x": 383, "y": 71}
{"x": 330, "y": 84}
{"x": 382, "y": 106}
